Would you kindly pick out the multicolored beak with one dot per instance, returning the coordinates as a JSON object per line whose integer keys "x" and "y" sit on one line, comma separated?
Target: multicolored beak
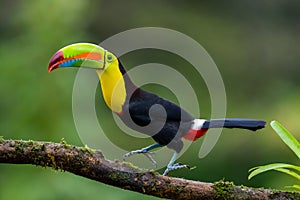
{"x": 81, "y": 55}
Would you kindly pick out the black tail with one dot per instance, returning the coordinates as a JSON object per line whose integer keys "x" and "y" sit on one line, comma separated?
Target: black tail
{"x": 250, "y": 124}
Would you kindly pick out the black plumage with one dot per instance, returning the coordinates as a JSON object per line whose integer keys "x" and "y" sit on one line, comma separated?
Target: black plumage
{"x": 159, "y": 118}
{"x": 165, "y": 121}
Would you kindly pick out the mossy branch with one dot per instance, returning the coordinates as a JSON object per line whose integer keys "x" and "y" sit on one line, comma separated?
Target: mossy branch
{"x": 91, "y": 164}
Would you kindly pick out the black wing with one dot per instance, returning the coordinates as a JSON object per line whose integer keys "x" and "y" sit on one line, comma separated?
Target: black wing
{"x": 166, "y": 127}
{"x": 141, "y": 102}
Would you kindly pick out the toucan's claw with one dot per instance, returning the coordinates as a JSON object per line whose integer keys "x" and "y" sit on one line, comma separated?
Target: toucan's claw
{"x": 148, "y": 155}
{"x": 142, "y": 151}
{"x": 175, "y": 167}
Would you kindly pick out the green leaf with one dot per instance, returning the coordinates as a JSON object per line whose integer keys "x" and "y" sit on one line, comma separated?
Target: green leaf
{"x": 261, "y": 169}
{"x": 287, "y": 137}
{"x": 289, "y": 172}
{"x": 296, "y": 187}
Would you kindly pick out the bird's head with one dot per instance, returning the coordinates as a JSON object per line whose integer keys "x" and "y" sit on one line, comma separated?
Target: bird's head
{"x": 82, "y": 55}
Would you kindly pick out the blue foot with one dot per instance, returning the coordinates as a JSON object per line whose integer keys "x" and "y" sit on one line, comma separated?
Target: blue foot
{"x": 175, "y": 166}
{"x": 146, "y": 152}
{"x": 142, "y": 151}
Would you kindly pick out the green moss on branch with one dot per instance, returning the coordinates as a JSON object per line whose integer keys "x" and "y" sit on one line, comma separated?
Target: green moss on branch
{"x": 91, "y": 164}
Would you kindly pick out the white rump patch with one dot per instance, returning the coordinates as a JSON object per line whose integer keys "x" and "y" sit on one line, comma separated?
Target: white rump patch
{"x": 198, "y": 123}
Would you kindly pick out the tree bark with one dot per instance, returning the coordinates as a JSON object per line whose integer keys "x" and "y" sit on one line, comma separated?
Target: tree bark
{"x": 91, "y": 164}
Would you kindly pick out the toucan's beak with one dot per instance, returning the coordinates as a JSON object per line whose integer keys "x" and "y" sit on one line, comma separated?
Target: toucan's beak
{"x": 79, "y": 55}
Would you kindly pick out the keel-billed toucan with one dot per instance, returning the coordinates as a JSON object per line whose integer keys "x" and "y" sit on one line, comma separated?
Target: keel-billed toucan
{"x": 139, "y": 109}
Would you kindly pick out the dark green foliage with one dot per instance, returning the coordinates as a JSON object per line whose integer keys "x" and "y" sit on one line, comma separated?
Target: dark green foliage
{"x": 255, "y": 44}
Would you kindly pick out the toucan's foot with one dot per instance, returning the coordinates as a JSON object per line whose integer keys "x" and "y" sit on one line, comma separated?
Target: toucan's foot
{"x": 142, "y": 151}
{"x": 175, "y": 167}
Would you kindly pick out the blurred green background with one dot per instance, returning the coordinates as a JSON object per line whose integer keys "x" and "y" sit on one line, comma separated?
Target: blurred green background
{"x": 254, "y": 43}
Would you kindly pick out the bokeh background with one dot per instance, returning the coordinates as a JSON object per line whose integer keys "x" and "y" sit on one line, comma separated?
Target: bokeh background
{"x": 255, "y": 45}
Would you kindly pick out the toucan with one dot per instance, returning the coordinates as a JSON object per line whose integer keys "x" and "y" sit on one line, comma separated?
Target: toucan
{"x": 166, "y": 122}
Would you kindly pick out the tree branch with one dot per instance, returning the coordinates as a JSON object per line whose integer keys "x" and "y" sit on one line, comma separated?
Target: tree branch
{"x": 91, "y": 164}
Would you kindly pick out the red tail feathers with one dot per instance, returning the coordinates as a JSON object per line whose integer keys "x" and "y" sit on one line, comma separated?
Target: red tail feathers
{"x": 193, "y": 135}
{"x": 196, "y": 130}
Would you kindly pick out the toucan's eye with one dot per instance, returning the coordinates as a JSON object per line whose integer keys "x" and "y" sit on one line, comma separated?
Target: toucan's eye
{"x": 109, "y": 58}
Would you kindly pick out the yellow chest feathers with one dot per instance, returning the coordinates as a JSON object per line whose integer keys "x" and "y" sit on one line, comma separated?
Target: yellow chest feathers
{"x": 113, "y": 86}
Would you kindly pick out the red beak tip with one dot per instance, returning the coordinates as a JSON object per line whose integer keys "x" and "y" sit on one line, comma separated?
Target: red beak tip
{"x": 51, "y": 68}
{"x": 56, "y": 58}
